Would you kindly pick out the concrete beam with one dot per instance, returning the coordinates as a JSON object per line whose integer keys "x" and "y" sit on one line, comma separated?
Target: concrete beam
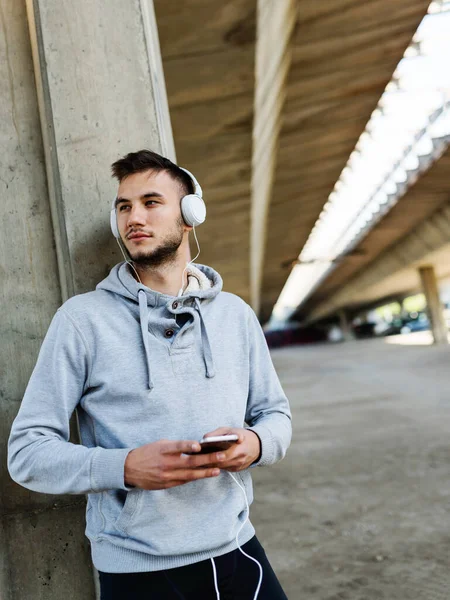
{"x": 275, "y": 24}
{"x": 429, "y": 237}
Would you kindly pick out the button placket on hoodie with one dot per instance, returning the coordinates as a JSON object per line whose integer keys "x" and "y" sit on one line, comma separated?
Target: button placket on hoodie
{"x": 181, "y": 333}
{"x": 166, "y": 330}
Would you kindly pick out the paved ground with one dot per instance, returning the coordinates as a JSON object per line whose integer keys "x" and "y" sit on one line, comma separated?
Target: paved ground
{"x": 360, "y": 507}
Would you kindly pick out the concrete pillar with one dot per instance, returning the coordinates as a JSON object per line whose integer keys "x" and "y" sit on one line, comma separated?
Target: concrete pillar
{"x": 345, "y": 325}
{"x": 101, "y": 94}
{"x": 82, "y": 85}
{"x": 434, "y": 306}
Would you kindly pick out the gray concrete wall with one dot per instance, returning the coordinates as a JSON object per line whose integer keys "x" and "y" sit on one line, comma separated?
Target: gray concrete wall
{"x": 96, "y": 91}
{"x": 40, "y": 535}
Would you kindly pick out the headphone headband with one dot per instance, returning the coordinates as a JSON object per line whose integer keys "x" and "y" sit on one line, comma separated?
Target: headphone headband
{"x": 197, "y": 189}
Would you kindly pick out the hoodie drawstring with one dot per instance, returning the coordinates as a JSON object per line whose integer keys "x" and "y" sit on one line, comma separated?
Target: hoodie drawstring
{"x": 143, "y": 317}
{"x": 206, "y": 347}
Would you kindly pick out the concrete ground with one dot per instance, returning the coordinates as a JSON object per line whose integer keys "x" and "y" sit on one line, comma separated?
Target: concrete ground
{"x": 360, "y": 507}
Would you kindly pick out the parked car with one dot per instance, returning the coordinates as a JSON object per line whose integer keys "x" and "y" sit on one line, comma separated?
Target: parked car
{"x": 421, "y": 323}
{"x": 364, "y": 330}
{"x": 392, "y": 328}
{"x": 295, "y": 335}
{"x": 415, "y": 321}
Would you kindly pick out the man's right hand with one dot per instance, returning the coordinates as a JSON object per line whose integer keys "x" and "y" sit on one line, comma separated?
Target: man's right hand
{"x": 164, "y": 464}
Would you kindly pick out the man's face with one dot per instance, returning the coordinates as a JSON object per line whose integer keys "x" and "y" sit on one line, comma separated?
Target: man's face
{"x": 149, "y": 217}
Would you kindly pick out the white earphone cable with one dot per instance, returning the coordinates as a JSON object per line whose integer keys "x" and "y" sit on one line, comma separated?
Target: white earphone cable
{"x": 180, "y": 291}
{"x": 240, "y": 549}
{"x": 216, "y": 585}
{"x": 128, "y": 261}
{"x": 239, "y": 531}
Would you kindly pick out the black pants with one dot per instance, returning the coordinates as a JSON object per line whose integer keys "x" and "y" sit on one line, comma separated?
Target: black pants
{"x": 237, "y": 577}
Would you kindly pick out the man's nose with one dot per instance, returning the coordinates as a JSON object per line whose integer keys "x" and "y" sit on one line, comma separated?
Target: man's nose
{"x": 136, "y": 216}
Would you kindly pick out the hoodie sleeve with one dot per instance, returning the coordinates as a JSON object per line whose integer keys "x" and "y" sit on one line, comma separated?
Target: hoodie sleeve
{"x": 40, "y": 456}
{"x": 268, "y": 413}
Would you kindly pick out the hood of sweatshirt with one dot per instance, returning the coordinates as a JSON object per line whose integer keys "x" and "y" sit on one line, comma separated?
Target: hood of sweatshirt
{"x": 204, "y": 284}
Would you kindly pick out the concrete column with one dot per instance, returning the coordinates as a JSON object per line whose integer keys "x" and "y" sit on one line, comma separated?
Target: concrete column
{"x": 402, "y": 307}
{"x": 101, "y": 94}
{"x": 87, "y": 89}
{"x": 434, "y": 306}
{"x": 345, "y": 325}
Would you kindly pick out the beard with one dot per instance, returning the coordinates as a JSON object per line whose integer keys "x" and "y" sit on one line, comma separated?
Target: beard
{"x": 164, "y": 253}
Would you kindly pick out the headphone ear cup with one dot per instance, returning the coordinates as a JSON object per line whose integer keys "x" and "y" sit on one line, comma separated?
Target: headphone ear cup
{"x": 193, "y": 210}
{"x": 113, "y": 223}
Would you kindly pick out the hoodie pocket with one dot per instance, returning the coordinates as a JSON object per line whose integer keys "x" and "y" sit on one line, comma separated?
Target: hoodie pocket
{"x": 185, "y": 519}
{"x": 128, "y": 510}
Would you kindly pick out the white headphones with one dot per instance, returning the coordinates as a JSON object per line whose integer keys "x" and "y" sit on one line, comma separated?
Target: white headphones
{"x": 193, "y": 208}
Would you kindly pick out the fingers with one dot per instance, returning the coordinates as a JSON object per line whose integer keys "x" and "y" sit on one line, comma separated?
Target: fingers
{"x": 181, "y": 477}
{"x": 201, "y": 460}
{"x": 233, "y": 459}
{"x": 180, "y": 447}
{"x": 192, "y": 474}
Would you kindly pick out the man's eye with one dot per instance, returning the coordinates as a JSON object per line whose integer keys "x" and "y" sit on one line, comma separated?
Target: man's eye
{"x": 122, "y": 207}
{"x": 150, "y": 202}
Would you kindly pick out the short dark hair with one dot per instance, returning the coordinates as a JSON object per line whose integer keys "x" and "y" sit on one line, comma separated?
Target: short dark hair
{"x": 147, "y": 160}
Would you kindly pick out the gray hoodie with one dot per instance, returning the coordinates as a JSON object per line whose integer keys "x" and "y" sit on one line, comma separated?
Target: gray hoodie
{"x": 140, "y": 366}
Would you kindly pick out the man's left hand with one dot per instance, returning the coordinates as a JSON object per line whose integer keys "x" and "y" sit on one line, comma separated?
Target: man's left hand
{"x": 241, "y": 454}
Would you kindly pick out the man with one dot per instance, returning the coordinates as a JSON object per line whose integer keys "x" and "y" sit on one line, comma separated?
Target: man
{"x": 150, "y": 369}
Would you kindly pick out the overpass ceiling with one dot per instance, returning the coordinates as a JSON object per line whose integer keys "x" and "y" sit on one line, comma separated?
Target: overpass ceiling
{"x": 208, "y": 52}
{"x": 430, "y": 193}
{"x": 344, "y": 54}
